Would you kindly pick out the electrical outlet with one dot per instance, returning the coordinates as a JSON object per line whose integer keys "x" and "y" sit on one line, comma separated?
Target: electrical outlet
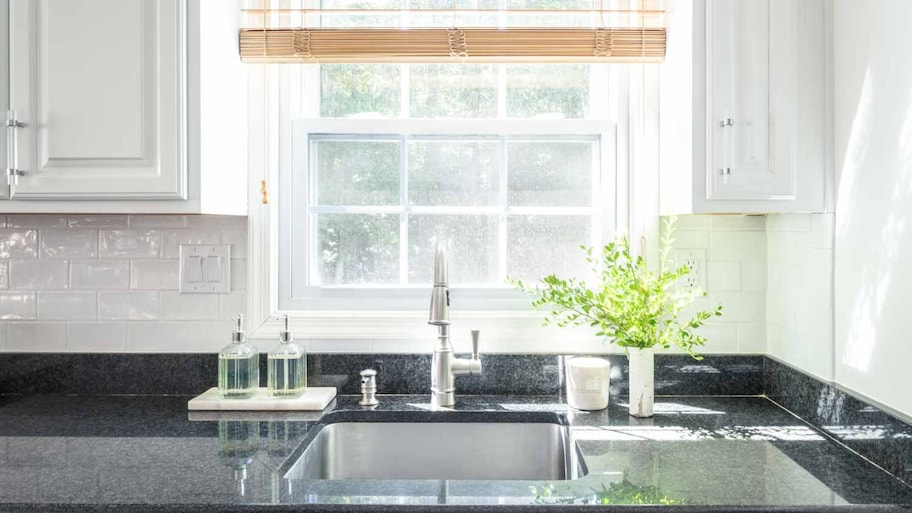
{"x": 695, "y": 260}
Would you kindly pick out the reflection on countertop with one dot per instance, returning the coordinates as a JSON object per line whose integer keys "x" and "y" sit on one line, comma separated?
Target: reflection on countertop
{"x": 150, "y": 452}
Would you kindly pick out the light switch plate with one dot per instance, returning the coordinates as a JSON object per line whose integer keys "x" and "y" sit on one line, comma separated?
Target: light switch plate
{"x": 205, "y": 269}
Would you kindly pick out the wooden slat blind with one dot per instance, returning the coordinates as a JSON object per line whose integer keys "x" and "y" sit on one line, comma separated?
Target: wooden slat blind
{"x": 607, "y": 32}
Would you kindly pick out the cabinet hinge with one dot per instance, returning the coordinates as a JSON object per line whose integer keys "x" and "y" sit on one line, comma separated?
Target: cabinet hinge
{"x": 264, "y": 192}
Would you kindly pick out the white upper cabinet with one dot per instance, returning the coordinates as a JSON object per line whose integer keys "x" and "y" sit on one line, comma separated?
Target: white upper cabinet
{"x": 109, "y": 95}
{"x": 743, "y": 107}
{"x": 99, "y": 85}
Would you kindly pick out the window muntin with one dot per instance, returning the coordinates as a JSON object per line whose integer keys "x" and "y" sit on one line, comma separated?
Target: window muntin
{"x": 516, "y": 173}
{"x": 531, "y": 191}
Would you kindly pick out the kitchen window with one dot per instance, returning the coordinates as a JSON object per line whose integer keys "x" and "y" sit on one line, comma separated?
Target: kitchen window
{"x": 513, "y": 164}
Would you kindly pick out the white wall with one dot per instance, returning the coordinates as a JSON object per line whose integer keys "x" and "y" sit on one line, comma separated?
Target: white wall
{"x": 109, "y": 283}
{"x": 799, "y": 302}
{"x": 873, "y": 248}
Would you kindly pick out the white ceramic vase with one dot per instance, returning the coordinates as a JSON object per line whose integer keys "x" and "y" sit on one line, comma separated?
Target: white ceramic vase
{"x": 641, "y": 366}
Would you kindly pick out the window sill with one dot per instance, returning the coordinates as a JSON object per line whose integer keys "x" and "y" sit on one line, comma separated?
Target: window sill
{"x": 408, "y": 331}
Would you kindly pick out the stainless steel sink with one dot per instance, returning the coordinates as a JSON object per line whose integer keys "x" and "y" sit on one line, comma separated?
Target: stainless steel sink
{"x": 451, "y": 446}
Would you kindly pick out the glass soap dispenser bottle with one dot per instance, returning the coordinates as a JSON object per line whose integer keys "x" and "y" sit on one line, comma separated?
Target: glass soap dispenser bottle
{"x": 238, "y": 366}
{"x": 287, "y": 367}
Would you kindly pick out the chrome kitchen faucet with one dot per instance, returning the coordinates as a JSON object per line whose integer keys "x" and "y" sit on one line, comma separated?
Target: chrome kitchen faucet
{"x": 445, "y": 366}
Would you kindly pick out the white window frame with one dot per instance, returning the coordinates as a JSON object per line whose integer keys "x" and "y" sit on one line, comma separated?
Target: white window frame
{"x": 362, "y": 330}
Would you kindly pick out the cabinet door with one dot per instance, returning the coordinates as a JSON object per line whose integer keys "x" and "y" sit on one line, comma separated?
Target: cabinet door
{"x": 747, "y": 144}
{"x": 4, "y": 92}
{"x": 100, "y": 85}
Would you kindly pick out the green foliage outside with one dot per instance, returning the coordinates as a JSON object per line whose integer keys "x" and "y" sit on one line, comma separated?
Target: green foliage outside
{"x": 628, "y": 304}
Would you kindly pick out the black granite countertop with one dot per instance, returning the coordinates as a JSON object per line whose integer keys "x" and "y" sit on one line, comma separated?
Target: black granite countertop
{"x": 137, "y": 454}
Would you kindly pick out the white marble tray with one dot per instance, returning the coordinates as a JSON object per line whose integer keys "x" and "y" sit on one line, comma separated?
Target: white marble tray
{"x": 314, "y": 398}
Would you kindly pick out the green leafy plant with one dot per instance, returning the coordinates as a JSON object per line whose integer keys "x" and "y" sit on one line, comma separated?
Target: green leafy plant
{"x": 629, "y": 304}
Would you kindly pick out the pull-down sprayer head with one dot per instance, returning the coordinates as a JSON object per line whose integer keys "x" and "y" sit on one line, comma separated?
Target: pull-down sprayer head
{"x": 440, "y": 296}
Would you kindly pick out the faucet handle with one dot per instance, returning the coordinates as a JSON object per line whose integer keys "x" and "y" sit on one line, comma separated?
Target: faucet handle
{"x": 475, "y": 335}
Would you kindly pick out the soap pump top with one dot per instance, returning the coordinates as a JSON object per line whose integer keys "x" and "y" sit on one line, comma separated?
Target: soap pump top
{"x": 287, "y": 348}
{"x": 238, "y": 346}
{"x": 239, "y": 337}
{"x": 285, "y": 336}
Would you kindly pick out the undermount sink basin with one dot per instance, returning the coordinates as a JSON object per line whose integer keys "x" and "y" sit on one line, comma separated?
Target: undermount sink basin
{"x": 444, "y": 445}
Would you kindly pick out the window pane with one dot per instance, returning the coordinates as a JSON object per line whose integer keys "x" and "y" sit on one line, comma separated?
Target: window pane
{"x": 472, "y": 244}
{"x": 357, "y": 172}
{"x": 553, "y": 19}
{"x": 362, "y": 19}
{"x": 540, "y": 245}
{"x": 557, "y": 90}
{"x": 357, "y": 248}
{"x": 453, "y": 91}
{"x": 549, "y": 173}
{"x": 453, "y": 173}
{"x": 365, "y": 90}
{"x": 447, "y": 20}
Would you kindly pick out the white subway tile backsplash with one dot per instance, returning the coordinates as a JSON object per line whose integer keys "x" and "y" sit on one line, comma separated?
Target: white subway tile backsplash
{"x": 720, "y": 338}
{"x": 217, "y": 222}
{"x": 692, "y": 222}
{"x": 238, "y": 241}
{"x": 92, "y": 337}
{"x": 789, "y": 223}
{"x": 67, "y": 306}
{"x": 129, "y": 243}
{"x": 94, "y": 282}
{"x": 822, "y": 228}
{"x": 690, "y": 239}
{"x": 723, "y": 276}
{"x": 752, "y": 338}
{"x": 100, "y": 274}
{"x": 172, "y": 239}
{"x": 69, "y": 243}
{"x": 155, "y": 274}
{"x": 158, "y": 221}
{"x": 37, "y": 221}
{"x": 741, "y": 306}
{"x": 39, "y": 274}
{"x": 36, "y": 337}
{"x": 738, "y": 223}
{"x": 187, "y": 307}
{"x": 232, "y": 304}
{"x": 17, "y": 305}
{"x": 106, "y": 221}
{"x": 178, "y": 336}
{"x": 753, "y": 276}
{"x": 737, "y": 247}
{"x": 238, "y": 275}
{"x": 131, "y": 305}
{"x": 18, "y": 244}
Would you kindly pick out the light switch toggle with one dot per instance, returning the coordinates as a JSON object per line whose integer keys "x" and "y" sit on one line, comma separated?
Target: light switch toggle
{"x": 205, "y": 269}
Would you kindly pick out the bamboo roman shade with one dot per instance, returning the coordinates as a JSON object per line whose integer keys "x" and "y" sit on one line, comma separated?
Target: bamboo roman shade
{"x": 348, "y": 31}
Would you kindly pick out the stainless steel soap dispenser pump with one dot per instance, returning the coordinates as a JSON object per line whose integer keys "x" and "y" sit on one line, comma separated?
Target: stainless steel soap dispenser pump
{"x": 238, "y": 365}
{"x": 287, "y": 366}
